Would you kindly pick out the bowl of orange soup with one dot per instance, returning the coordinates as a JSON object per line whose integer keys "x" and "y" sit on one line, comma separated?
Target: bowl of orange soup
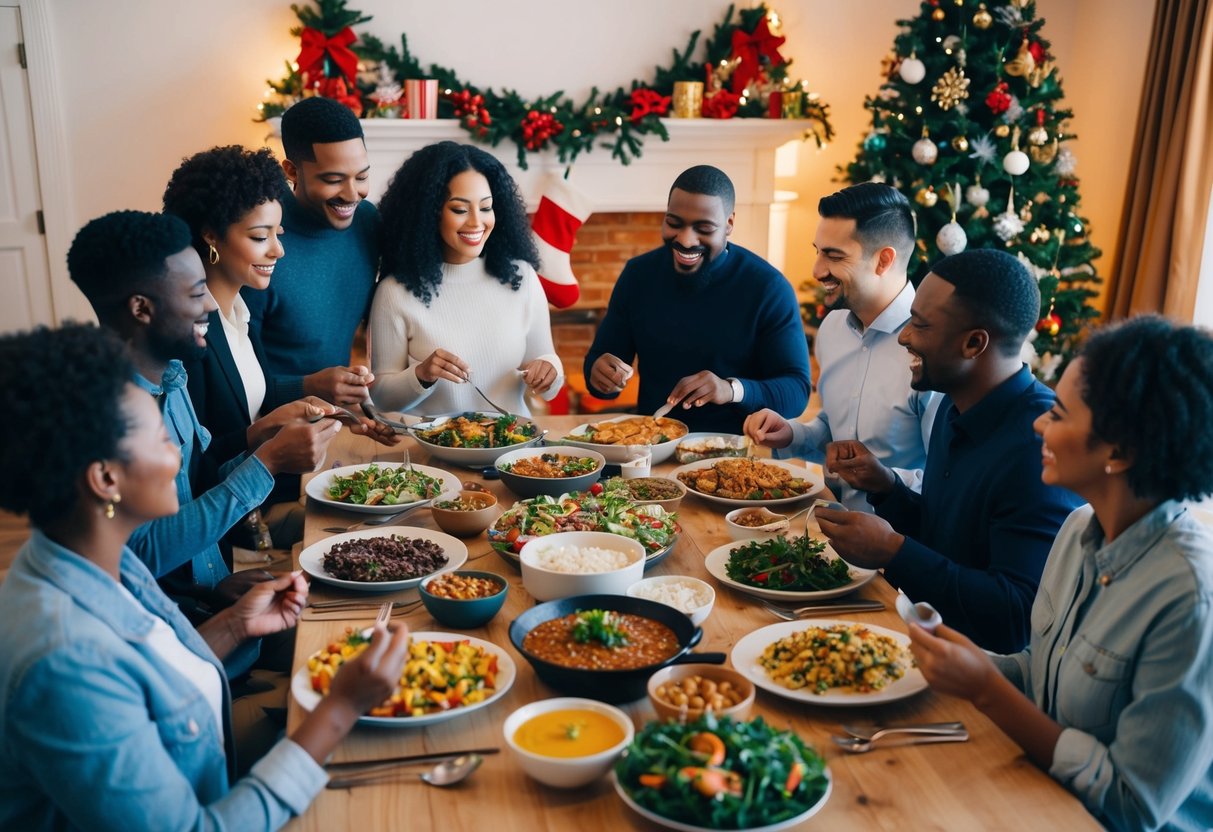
{"x": 567, "y": 742}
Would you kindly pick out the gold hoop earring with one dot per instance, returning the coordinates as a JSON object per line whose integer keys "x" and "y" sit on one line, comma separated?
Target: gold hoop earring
{"x": 213, "y": 254}
{"x": 109, "y": 507}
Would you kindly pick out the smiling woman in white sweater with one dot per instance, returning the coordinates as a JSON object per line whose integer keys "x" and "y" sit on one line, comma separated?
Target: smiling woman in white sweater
{"x": 460, "y": 298}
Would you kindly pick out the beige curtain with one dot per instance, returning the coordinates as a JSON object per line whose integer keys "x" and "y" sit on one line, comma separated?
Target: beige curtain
{"x": 1167, "y": 204}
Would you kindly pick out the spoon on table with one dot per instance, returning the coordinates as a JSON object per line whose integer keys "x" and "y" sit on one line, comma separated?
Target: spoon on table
{"x": 445, "y": 773}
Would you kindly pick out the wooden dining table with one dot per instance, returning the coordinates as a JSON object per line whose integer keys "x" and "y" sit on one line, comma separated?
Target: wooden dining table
{"x": 982, "y": 784}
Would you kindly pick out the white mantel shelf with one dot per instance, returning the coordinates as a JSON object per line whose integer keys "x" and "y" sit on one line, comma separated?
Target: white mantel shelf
{"x": 743, "y": 148}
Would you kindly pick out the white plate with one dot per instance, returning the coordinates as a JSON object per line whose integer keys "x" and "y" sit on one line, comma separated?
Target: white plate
{"x": 616, "y": 454}
{"x": 813, "y": 475}
{"x": 718, "y": 557}
{"x": 746, "y": 653}
{"x": 318, "y": 487}
{"x": 311, "y": 559}
{"x": 700, "y": 435}
{"x": 660, "y": 820}
{"x": 301, "y": 687}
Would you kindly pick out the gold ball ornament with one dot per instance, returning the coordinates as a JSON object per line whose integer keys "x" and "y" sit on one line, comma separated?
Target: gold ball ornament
{"x": 1002, "y": 131}
{"x": 926, "y": 197}
{"x": 961, "y": 144}
{"x": 938, "y": 15}
{"x": 982, "y": 18}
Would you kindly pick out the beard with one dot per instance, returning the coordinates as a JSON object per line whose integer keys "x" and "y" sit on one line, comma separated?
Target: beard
{"x": 167, "y": 346}
{"x": 706, "y": 262}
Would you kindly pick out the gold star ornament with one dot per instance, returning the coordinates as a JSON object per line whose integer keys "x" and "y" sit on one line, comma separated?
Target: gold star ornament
{"x": 951, "y": 88}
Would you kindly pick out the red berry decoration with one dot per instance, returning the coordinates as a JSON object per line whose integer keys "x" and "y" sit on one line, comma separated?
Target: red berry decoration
{"x": 538, "y": 128}
{"x": 999, "y": 99}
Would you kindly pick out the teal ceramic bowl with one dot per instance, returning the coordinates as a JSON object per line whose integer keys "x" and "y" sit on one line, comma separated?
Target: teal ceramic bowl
{"x": 459, "y": 613}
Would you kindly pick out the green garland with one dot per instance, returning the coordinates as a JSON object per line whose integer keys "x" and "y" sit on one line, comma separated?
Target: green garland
{"x": 616, "y": 120}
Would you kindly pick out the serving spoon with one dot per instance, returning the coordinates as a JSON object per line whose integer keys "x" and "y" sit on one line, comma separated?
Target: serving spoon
{"x": 445, "y": 773}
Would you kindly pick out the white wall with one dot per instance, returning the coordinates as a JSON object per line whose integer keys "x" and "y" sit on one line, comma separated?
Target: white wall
{"x": 146, "y": 83}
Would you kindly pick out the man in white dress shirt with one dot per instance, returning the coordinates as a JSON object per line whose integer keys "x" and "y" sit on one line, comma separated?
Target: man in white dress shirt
{"x": 864, "y": 244}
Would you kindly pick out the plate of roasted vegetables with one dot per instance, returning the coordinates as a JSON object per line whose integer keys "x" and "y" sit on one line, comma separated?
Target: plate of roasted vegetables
{"x": 604, "y": 508}
{"x": 616, "y": 438}
{"x": 474, "y": 439}
{"x": 741, "y": 482}
{"x": 800, "y": 568}
{"x": 380, "y": 487}
{"x": 447, "y": 675}
{"x": 715, "y": 773}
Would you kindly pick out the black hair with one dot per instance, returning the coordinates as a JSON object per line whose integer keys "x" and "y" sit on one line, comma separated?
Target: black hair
{"x": 882, "y": 214}
{"x": 1149, "y": 385}
{"x": 116, "y": 255}
{"x": 316, "y": 120}
{"x": 997, "y": 291}
{"x": 215, "y": 188}
{"x": 65, "y": 426}
{"x": 705, "y": 179}
{"x": 411, "y": 209}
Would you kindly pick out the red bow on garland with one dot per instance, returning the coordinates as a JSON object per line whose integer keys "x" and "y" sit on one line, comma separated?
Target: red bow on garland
{"x": 315, "y": 46}
{"x": 336, "y": 89}
{"x": 645, "y": 101}
{"x": 751, "y": 48}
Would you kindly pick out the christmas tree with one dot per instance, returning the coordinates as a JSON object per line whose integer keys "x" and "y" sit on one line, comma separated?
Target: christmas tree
{"x": 969, "y": 124}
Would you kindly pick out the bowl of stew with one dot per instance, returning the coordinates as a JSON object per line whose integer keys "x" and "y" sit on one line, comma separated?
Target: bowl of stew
{"x": 466, "y": 513}
{"x": 605, "y": 647}
{"x": 660, "y": 491}
{"x": 529, "y": 472}
{"x": 746, "y": 523}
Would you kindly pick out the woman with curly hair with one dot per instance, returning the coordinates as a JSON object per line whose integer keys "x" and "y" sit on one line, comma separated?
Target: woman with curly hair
{"x": 115, "y": 710}
{"x": 1114, "y": 694}
{"x": 460, "y": 298}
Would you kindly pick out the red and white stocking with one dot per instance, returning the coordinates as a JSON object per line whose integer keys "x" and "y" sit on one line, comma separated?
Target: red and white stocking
{"x": 562, "y": 210}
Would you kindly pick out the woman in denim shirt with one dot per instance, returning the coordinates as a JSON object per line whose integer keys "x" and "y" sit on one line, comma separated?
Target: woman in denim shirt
{"x": 1114, "y": 695}
{"x": 114, "y": 711}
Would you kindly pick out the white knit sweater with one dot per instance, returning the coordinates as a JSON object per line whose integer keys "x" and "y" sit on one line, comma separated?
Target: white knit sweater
{"x": 493, "y": 328}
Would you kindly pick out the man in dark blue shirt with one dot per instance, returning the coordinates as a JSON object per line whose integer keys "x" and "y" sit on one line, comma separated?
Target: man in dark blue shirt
{"x": 974, "y": 543}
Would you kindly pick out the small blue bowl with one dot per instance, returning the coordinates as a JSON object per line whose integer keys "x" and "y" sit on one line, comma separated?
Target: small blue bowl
{"x": 464, "y": 613}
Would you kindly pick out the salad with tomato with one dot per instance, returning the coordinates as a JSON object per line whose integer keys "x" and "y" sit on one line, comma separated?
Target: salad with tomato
{"x": 601, "y": 509}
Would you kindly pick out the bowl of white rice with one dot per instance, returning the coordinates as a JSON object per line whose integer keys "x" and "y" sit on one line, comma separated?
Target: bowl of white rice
{"x": 685, "y": 594}
{"x": 580, "y": 563}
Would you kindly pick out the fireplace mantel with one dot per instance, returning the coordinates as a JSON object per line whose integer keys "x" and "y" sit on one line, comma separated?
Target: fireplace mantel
{"x": 743, "y": 148}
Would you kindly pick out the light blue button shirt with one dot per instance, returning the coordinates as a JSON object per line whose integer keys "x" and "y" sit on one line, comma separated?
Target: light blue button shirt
{"x": 865, "y": 395}
{"x": 1121, "y": 655}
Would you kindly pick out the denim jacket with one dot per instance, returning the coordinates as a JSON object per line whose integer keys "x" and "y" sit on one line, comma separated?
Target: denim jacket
{"x": 97, "y": 732}
{"x": 1121, "y": 655}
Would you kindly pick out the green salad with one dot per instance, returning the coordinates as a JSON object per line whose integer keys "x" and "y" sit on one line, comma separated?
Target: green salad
{"x": 793, "y": 564}
{"x": 479, "y": 430}
{"x": 383, "y": 485}
{"x": 722, "y": 774}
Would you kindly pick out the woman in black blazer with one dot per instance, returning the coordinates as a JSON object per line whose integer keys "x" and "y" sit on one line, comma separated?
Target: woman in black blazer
{"x": 229, "y": 196}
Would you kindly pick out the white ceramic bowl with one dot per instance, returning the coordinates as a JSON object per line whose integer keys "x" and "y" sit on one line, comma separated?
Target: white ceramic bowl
{"x": 703, "y": 593}
{"x": 740, "y": 532}
{"x": 566, "y": 772}
{"x": 472, "y": 457}
{"x": 549, "y": 585}
{"x": 616, "y": 454}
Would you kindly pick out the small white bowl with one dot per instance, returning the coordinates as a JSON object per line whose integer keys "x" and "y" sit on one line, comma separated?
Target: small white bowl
{"x": 702, "y": 590}
{"x": 549, "y": 585}
{"x": 566, "y": 772}
{"x": 740, "y": 532}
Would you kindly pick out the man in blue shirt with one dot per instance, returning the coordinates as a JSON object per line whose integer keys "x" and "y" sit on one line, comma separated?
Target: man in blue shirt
{"x": 715, "y": 327}
{"x": 145, "y": 281}
{"x": 974, "y": 543}
{"x": 864, "y": 243}
{"x": 322, "y": 287}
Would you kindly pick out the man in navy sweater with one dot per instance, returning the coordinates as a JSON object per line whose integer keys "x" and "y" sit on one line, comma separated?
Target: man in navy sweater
{"x": 716, "y": 328}
{"x": 974, "y": 543}
{"x": 322, "y": 287}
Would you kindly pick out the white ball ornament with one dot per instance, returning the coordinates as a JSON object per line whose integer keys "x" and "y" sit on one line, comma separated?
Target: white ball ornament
{"x": 912, "y": 70}
{"x": 1015, "y": 163}
{"x": 951, "y": 239}
{"x": 977, "y": 196}
{"x": 924, "y": 151}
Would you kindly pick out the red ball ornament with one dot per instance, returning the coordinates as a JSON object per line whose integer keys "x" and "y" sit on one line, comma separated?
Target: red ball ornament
{"x": 1037, "y": 52}
{"x": 999, "y": 99}
{"x": 1050, "y": 324}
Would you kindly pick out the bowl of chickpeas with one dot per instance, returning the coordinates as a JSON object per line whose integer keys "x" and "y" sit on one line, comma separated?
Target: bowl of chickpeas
{"x": 685, "y": 691}
{"x": 464, "y": 598}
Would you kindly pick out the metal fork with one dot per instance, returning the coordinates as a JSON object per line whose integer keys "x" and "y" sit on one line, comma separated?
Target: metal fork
{"x": 492, "y": 404}
{"x": 385, "y": 614}
{"x": 820, "y": 609}
{"x": 872, "y": 733}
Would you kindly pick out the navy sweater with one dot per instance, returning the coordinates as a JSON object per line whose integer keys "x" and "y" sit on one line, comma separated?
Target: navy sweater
{"x": 738, "y": 319}
{"x": 320, "y": 293}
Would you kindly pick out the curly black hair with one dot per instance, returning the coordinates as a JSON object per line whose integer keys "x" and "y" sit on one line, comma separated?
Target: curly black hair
{"x": 65, "y": 426}
{"x": 705, "y": 179}
{"x": 215, "y": 188}
{"x": 317, "y": 120}
{"x": 411, "y": 208}
{"x": 997, "y": 291}
{"x": 1149, "y": 384}
{"x": 117, "y": 255}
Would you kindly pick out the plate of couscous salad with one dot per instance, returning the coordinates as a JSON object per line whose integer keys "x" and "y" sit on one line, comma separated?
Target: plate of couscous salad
{"x": 830, "y": 662}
